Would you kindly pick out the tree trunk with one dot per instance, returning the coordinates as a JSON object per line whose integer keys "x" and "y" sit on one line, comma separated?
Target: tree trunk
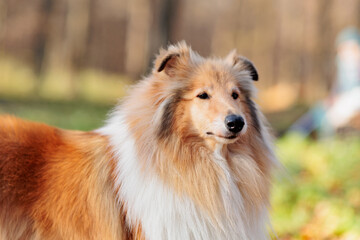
{"x": 137, "y": 37}
{"x": 41, "y": 41}
{"x": 164, "y": 13}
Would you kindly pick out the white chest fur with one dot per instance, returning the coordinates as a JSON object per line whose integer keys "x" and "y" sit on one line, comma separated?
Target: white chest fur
{"x": 162, "y": 213}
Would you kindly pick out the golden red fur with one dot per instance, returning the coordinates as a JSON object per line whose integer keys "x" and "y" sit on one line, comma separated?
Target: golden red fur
{"x": 56, "y": 184}
{"x": 165, "y": 166}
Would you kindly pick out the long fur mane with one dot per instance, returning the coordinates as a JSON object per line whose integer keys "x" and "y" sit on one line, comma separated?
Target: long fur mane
{"x": 172, "y": 185}
{"x": 160, "y": 168}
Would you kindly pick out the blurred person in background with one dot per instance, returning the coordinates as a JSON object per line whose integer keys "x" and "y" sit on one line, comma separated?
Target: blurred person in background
{"x": 341, "y": 109}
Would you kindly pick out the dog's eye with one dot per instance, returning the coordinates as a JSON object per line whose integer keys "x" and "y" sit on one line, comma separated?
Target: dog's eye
{"x": 234, "y": 95}
{"x": 203, "y": 95}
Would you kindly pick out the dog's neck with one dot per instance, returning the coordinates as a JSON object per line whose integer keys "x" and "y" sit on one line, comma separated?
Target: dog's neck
{"x": 186, "y": 188}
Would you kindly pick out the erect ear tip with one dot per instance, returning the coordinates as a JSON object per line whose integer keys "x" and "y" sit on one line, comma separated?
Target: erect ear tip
{"x": 255, "y": 76}
{"x": 242, "y": 63}
{"x": 249, "y": 66}
{"x": 166, "y": 61}
{"x": 231, "y": 56}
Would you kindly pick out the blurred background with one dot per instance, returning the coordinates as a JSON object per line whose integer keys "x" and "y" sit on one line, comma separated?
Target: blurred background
{"x": 66, "y": 62}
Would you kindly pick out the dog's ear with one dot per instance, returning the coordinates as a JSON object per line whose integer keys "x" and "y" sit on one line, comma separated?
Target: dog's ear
{"x": 168, "y": 63}
{"x": 174, "y": 60}
{"x": 242, "y": 63}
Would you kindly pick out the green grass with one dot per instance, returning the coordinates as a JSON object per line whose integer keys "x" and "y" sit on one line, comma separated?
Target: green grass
{"x": 78, "y": 115}
{"x": 18, "y": 81}
{"x": 319, "y": 196}
{"x": 78, "y": 100}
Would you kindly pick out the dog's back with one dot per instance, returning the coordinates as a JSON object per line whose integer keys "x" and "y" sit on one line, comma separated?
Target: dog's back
{"x": 54, "y": 184}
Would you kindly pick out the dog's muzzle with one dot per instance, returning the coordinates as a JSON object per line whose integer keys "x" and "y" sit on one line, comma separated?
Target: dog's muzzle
{"x": 234, "y": 123}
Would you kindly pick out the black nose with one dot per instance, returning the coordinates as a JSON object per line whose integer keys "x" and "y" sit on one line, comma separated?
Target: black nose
{"x": 234, "y": 123}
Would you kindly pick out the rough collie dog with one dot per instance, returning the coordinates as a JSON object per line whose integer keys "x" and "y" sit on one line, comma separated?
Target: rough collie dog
{"x": 186, "y": 155}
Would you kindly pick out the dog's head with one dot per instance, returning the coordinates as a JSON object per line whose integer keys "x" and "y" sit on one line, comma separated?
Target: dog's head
{"x": 206, "y": 98}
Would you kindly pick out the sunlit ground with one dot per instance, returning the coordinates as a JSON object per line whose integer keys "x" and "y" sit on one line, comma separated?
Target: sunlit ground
{"x": 318, "y": 195}
{"x": 315, "y": 196}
